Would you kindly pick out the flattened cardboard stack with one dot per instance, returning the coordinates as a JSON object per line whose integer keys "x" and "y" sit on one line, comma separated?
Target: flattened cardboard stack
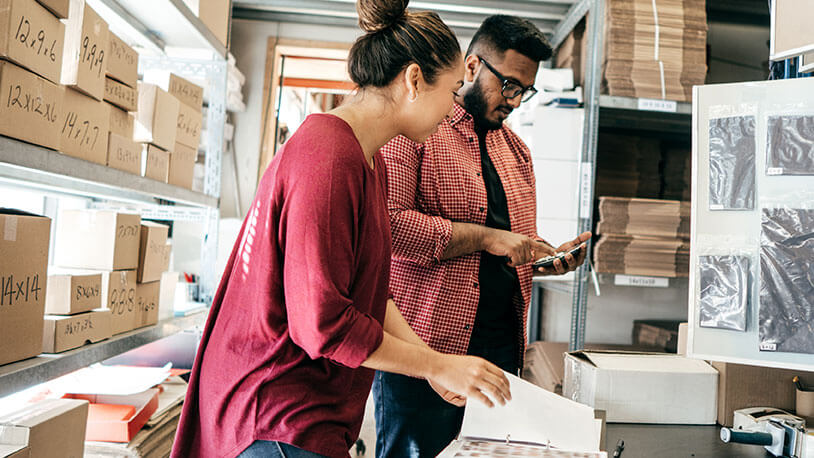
{"x": 638, "y": 166}
{"x": 643, "y": 237}
{"x": 664, "y": 56}
{"x": 652, "y": 49}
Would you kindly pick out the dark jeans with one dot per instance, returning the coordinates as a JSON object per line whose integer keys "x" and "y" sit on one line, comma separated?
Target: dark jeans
{"x": 274, "y": 449}
{"x": 412, "y": 420}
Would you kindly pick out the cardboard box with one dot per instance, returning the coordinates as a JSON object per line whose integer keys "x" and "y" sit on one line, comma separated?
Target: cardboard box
{"x": 187, "y": 92}
{"x": 66, "y": 332}
{"x": 154, "y": 253}
{"x": 189, "y": 126}
{"x": 15, "y": 450}
{"x": 121, "y": 95}
{"x": 119, "y": 292}
{"x": 84, "y": 126}
{"x": 683, "y": 331}
{"x": 72, "y": 293}
{"x": 103, "y": 240}
{"x": 121, "y": 122}
{"x": 124, "y": 154}
{"x": 122, "y": 61}
{"x": 657, "y": 333}
{"x": 23, "y": 282}
{"x": 58, "y": 8}
{"x": 166, "y": 298}
{"x": 215, "y": 14}
{"x": 157, "y": 116}
{"x": 84, "y": 64}
{"x": 741, "y": 386}
{"x": 182, "y": 165}
{"x": 643, "y": 388}
{"x": 147, "y": 298}
{"x": 102, "y": 428}
{"x": 545, "y": 361}
{"x": 156, "y": 163}
{"x": 54, "y": 428}
{"x": 38, "y": 123}
{"x": 32, "y": 37}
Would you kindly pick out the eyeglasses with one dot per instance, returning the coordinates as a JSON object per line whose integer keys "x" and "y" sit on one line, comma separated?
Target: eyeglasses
{"x": 511, "y": 89}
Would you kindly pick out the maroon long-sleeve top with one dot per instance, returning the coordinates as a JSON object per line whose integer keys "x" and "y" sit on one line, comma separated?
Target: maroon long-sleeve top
{"x": 300, "y": 306}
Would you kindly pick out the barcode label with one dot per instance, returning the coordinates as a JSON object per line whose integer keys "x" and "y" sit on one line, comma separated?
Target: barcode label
{"x": 765, "y": 346}
{"x": 774, "y": 171}
{"x": 668, "y": 106}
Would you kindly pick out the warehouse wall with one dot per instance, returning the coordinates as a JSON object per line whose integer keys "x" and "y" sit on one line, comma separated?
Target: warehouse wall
{"x": 249, "y": 42}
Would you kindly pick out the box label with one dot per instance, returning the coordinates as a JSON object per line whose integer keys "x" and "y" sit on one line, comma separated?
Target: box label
{"x": 29, "y": 106}
{"x": 189, "y": 127}
{"x": 19, "y": 289}
{"x": 84, "y": 128}
{"x": 586, "y": 189}
{"x": 120, "y": 95}
{"x": 123, "y": 62}
{"x": 36, "y": 39}
{"x": 645, "y": 282}
{"x": 121, "y": 122}
{"x": 186, "y": 92}
{"x": 124, "y": 154}
{"x": 667, "y": 106}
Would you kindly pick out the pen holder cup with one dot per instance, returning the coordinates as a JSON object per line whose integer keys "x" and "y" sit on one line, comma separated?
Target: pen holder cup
{"x": 805, "y": 405}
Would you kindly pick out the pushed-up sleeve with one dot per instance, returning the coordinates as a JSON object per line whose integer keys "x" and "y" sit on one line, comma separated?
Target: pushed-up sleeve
{"x": 417, "y": 236}
{"x": 318, "y": 224}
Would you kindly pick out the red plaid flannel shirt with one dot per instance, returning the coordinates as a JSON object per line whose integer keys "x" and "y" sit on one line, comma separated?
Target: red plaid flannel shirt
{"x": 430, "y": 185}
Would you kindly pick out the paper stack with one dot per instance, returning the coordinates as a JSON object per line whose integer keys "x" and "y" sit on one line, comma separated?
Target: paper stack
{"x": 643, "y": 237}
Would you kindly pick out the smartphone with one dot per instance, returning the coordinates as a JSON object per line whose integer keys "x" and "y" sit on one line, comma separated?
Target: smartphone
{"x": 548, "y": 261}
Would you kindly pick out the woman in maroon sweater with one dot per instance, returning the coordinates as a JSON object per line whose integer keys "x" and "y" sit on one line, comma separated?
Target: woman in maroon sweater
{"x": 303, "y": 313}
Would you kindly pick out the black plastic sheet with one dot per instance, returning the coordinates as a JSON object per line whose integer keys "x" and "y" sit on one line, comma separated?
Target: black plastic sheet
{"x": 790, "y": 145}
{"x": 732, "y": 163}
{"x": 725, "y": 287}
{"x": 787, "y": 280}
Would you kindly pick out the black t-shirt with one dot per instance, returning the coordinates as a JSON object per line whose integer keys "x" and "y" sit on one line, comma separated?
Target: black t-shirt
{"x": 496, "y": 319}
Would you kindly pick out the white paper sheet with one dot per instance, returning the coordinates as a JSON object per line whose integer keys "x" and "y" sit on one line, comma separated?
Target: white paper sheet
{"x": 535, "y": 416}
{"x": 111, "y": 380}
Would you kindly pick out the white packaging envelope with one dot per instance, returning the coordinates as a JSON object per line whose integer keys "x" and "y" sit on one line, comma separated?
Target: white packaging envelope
{"x": 534, "y": 416}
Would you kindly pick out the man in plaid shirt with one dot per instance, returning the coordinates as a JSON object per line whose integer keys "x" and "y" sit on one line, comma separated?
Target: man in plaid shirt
{"x": 463, "y": 217}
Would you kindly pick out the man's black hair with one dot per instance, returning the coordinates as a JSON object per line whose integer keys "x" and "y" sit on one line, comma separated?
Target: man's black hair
{"x": 500, "y": 33}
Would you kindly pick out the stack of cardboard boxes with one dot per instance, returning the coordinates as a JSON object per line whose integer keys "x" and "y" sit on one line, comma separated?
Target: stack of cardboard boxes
{"x": 72, "y": 86}
{"x": 172, "y": 146}
{"x": 131, "y": 255}
{"x": 73, "y": 310}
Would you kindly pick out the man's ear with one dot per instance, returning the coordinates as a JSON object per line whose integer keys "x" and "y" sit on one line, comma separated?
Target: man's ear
{"x": 471, "y": 67}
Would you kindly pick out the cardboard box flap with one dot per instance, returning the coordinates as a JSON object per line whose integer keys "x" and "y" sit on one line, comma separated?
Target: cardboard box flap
{"x": 13, "y": 439}
{"x": 9, "y": 450}
{"x": 646, "y": 362}
{"x": 42, "y": 411}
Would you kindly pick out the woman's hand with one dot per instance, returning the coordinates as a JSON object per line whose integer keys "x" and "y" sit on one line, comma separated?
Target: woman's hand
{"x": 458, "y": 378}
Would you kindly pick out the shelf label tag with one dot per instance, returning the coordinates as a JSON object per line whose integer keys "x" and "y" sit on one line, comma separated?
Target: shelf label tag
{"x": 644, "y": 282}
{"x": 585, "y": 191}
{"x": 667, "y": 106}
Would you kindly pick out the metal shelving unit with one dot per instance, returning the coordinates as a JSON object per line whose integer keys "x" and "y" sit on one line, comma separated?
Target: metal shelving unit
{"x": 37, "y": 167}
{"x": 20, "y": 375}
{"x": 602, "y": 111}
{"x": 160, "y": 29}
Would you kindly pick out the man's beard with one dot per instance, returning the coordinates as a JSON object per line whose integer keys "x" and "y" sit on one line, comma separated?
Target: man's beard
{"x": 475, "y": 105}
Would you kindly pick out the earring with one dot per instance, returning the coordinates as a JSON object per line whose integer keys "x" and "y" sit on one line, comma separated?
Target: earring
{"x": 414, "y": 97}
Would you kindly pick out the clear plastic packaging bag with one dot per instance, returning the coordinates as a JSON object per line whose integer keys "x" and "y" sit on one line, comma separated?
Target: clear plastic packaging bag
{"x": 790, "y": 145}
{"x": 732, "y": 163}
{"x": 787, "y": 280}
{"x": 724, "y": 296}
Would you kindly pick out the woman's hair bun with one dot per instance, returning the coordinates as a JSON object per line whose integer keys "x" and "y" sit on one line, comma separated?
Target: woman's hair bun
{"x": 378, "y": 15}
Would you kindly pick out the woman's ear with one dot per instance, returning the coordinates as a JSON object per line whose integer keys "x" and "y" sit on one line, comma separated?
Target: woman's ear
{"x": 471, "y": 67}
{"x": 413, "y": 79}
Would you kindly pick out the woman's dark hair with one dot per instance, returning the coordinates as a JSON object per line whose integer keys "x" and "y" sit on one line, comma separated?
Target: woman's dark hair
{"x": 396, "y": 38}
{"x": 499, "y": 33}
